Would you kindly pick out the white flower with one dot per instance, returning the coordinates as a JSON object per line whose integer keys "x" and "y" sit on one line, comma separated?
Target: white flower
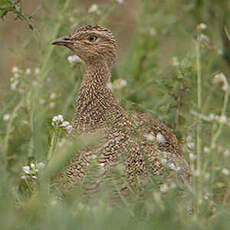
{"x": 222, "y": 119}
{"x": 172, "y": 166}
{"x": 207, "y": 195}
{"x": 28, "y": 71}
{"x": 26, "y": 169}
{"x": 192, "y": 156}
{"x": 15, "y": 69}
{"x": 102, "y": 165}
{"x": 175, "y": 61}
{"x": 189, "y": 139}
{"x": 93, "y": 8}
{"x": 74, "y": 58}
{"x": 35, "y": 177}
{"x": 32, "y": 165}
{"x": 206, "y": 149}
{"x": 42, "y": 101}
{"x": 120, "y": 1}
{"x": 226, "y": 153}
{"x": 225, "y": 171}
{"x": 221, "y": 78}
{"x": 120, "y": 83}
{"x": 164, "y": 188}
{"x": 212, "y": 116}
{"x": 14, "y": 84}
{"x": 202, "y": 26}
{"x": 205, "y": 39}
{"x": 94, "y": 156}
{"x": 54, "y": 202}
{"x": 60, "y": 118}
{"x": 152, "y": 31}
{"x": 220, "y": 51}
{"x": 191, "y": 145}
{"x": 109, "y": 85}
{"x": 69, "y": 129}
{"x": 70, "y": 59}
{"x": 161, "y": 138}
{"x": 41, "y": 165}
{"x": 149, "y": 137}
{"x": 52, "y": 105}
{"x": 64, "y": 124}
{"x": 23, "y": 177}
{"x": 123, "y": 83}
{"x": 57, "y": 119}
{"x": 36, "y": 71}
{"x": 52, "y": 95}
{"x": 6, "y": 117}
{"x": 196, "y": 173}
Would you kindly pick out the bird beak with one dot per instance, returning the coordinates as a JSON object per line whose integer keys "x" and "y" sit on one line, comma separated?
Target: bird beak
{"x": 63, "y": 41}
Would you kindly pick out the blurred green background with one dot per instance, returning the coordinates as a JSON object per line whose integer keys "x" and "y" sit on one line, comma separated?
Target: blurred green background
{"x": 173, "y": 62}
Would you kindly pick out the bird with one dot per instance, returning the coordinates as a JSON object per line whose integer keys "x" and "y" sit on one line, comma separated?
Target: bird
{"x": 139, "y": 144}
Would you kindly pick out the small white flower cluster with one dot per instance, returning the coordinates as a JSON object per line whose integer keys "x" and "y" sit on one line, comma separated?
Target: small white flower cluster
{"x": 31, "y": 171}
{"x": 58, "y": 121}
{"x": 151, "y": 137}
{"x": 212, "y": 117}
{"x": 221, "y": 78}
{"x": 202, "y": 26}
{"x": 196, "y": 173}
{"x": 160, "y": 138}
{"x": 204, "y": 39}
{"x": 120, "y": 1}
{"x": 94, "y": 8}
{"x": 207, "y": 196}
{"x": 19, "y": 73}
{"x": 174, "y": 61}
{"x": 50, "y": 100}
{"x": 225, "y": 171}
{"x": 6, "y": 117}
{"x": 153, "y": 31}
{"x": 165, "y": 187}
{"x": 170, "y": 165}
{"x": 119, "y": 84}
{"x": 14, "y": 80}
{"x": 190, "y": 148}
{"x": 74, "y": 59}
{"x": 206, "y": 149}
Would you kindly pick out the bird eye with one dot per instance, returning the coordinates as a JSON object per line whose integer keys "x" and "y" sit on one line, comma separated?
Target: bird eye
{"x": 92, "y": 38}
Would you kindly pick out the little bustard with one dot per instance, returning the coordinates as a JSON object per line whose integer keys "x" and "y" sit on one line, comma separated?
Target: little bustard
{"x": 142, "y": 144}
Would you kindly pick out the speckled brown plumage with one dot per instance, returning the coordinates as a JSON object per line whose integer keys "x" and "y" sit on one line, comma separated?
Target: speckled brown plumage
{"x": 135, "y": 142}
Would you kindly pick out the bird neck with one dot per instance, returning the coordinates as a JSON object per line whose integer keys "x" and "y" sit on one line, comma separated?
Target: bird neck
{"x": 95, "y": 99}
{"x": 97, "y": 72}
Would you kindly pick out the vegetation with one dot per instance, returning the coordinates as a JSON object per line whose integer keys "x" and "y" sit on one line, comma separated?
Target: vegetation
{"x": 175, "y": 66}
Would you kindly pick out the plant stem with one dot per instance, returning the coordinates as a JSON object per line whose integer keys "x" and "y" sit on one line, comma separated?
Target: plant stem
{"x": 199, "y": 104}
{"x": 198, "y": 128}
{"x": 52, "y": 147}
{"x": 223, "y": 111}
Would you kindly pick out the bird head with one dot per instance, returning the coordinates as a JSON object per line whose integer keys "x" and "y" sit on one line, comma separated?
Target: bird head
{"x": 91, "y": 44}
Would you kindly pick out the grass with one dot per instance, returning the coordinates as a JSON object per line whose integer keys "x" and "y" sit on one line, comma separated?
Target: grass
{"x": 173, "y": 68}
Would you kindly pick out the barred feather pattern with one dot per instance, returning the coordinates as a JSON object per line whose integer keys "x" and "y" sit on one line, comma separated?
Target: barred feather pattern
{"x": 124, "y": 144}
